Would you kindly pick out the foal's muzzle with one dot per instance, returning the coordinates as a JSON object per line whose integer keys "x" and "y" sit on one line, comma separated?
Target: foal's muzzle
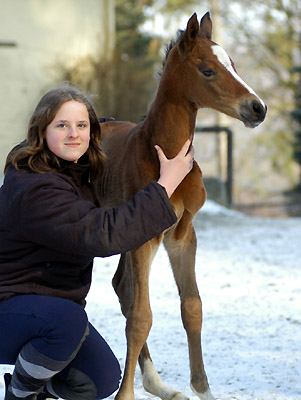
{"x": 252, "y": 112}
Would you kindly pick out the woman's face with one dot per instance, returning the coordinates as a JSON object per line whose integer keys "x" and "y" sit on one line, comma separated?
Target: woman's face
{"x": 68, "y": 135}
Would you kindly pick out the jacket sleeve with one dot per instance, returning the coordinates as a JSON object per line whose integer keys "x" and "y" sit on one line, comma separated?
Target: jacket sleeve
{"x": 56, "y": 218}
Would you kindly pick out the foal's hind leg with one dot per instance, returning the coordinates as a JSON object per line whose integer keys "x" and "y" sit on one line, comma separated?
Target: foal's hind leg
{"x": 180, "y": 244}
{"x": 152, "y": 382}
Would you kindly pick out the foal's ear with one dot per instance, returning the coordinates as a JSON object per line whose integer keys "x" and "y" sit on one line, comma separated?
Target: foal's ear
{"x": 189, "y": 37}
{"x": 206, "y": 26}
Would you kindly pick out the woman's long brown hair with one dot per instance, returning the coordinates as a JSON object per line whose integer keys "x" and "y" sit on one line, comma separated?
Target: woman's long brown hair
{"x": 35, "y": 150}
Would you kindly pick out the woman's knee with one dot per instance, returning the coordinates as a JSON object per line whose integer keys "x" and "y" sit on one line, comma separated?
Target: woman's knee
{"x": 111, "y": 384}
{"x": 69, "y": 317}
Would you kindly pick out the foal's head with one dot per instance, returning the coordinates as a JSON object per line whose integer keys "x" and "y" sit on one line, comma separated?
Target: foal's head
{"x": 202, "y": 72}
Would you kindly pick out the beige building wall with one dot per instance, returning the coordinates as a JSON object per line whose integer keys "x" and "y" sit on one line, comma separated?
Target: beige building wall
{"x": 36, "y": 36}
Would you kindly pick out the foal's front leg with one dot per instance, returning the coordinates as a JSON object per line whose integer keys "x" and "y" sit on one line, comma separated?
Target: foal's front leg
{"x": 139, "y": 318}
{"x": 180, "y": 244}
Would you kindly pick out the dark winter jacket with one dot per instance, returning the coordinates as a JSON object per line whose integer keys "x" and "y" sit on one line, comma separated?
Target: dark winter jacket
{"x": 50, "y": 230}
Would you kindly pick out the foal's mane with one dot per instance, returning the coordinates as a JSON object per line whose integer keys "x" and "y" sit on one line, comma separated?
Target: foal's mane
{"x": 171, "y": 44}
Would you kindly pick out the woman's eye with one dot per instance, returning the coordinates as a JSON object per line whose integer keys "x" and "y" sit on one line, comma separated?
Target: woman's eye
{"x": 208, "y": 72}
{"x": 61, "y": 125}
{"x": 82, "y": 125}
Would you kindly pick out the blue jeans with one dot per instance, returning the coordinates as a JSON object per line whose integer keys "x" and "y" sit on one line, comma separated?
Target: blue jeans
{"x": 55, "y": 329}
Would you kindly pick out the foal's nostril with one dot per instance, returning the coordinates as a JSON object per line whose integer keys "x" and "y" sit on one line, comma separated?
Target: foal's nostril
{"x": 257, "y": 108}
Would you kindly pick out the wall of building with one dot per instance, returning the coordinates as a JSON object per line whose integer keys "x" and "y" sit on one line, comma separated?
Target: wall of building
{"x": 36, "y": 38}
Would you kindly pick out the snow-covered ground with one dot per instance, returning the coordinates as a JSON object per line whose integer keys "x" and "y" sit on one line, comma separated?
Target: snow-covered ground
{"x": 249, "y": 276}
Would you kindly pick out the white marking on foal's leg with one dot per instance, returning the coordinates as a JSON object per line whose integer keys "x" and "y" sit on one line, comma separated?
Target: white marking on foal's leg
{"x": 154, "y": 385}
{"x": 203, "y": 396}
{"x": 224, "y": 59}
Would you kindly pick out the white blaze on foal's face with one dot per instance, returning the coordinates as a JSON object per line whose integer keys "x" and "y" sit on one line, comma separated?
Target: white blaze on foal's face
{"x": 224, "y": 59}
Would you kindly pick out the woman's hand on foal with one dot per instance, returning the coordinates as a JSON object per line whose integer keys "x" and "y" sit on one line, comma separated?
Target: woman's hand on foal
{"x": 174, "y": 170}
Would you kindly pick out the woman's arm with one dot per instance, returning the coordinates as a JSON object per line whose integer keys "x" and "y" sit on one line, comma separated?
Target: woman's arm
{"x": 52, "y": 215}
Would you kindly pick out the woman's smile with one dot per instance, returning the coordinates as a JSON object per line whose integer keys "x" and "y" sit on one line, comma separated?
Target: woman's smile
{"x": 72, "y": 144}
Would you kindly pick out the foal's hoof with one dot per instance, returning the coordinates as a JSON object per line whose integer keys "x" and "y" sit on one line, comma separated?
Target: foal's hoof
{"x": 203, "y": 396}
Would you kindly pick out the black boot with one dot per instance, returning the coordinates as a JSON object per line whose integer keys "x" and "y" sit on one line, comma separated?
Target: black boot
{"x": 7, "y": 379}
{"x": 45, "y": 395}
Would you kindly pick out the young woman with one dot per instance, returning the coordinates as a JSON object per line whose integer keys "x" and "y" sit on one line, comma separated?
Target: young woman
{"x": 50, "y": 231}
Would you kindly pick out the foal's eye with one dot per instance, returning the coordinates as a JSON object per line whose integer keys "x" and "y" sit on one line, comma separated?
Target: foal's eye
{"x": 208, "y": 72}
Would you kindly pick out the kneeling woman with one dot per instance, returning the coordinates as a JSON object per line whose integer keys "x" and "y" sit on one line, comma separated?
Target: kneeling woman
{"x": 50, "y": 231}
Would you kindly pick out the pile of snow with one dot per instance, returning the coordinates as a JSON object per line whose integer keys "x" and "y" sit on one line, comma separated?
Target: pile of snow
{"x": 249, "y": 277}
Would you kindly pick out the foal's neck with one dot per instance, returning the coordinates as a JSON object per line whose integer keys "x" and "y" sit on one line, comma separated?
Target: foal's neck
{"x": 170, "y": 124}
